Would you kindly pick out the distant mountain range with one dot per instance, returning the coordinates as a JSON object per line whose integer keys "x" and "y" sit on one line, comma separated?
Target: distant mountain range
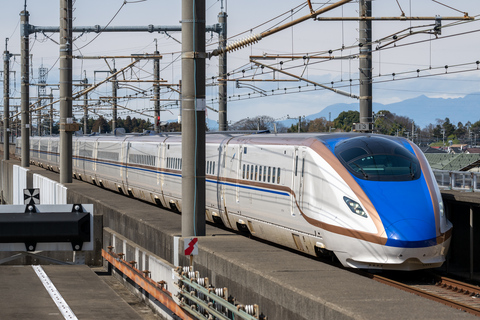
{"x": 422, "y": 109}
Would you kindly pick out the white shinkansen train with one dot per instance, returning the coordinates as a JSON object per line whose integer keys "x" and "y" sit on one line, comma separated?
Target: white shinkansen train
{"x": 372, "y": 200}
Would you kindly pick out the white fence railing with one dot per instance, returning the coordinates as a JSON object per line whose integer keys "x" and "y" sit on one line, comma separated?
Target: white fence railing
{"x": 51, "y": 192}
{"x": 458, "y": 180}
{"x": 19, "y": 183}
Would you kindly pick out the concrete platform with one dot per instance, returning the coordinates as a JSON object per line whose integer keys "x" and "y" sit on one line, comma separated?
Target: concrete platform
{"x": 23, "y": 296}
{"x": 286, "y": 285}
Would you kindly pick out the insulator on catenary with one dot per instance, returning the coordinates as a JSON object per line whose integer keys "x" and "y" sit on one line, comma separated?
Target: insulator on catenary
{"x": 238, "y": 44}
{"x": 249, "y": 309}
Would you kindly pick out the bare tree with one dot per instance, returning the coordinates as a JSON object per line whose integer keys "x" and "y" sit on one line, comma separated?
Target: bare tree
{"x": 256, "y": 123}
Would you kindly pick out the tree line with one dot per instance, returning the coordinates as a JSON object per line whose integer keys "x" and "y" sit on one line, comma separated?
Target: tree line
{"x": 443, "y": 131}
{"x": 131, "y": 125}
{"x": 385, "y": 122}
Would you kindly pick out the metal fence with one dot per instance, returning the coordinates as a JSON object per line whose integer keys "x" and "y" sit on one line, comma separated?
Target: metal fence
{"x": 458, "y": 180}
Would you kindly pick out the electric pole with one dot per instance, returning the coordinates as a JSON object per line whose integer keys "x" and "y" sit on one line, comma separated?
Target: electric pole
{"x": 365, "y": 65}
{"x": 193, "y": 117}
{"x": 222, "y": 73}
{"x": 66, "y": 120}
{"x": 51, "y": 113}
{"x": 25, "y": 86}
{"x": 6, "y": 103}
{"x": 156, "y": 90}
{"x": 114, "y": 100}
{"x": 41, "y": 94}
{"x": 85, "y": 107}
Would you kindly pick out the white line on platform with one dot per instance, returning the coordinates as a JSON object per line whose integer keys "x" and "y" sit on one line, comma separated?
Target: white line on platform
{"x": 53, "y": 292}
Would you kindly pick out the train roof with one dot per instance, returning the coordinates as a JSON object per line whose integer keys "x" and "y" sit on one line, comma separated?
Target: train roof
{"x": 231, "y": 137}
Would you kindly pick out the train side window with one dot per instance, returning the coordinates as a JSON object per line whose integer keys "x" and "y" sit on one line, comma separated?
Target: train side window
{"x": 296, "y": 165}
{"x": 251, "y": 172}
{"x": 269, "y": 171}
{"x": 260, "y": 174}
{"x": 256, "y": 172}
{"x": 245, "y": 150}
{"x": 273, "y": 174}
{"x": 213, "y": 171}
{"x": 243, "y": 172}
{"x": 303, "y": 166}
{"x": 264, "y": 173}
{"x": 248, "y": 171}
{"x": 278, "y": 175}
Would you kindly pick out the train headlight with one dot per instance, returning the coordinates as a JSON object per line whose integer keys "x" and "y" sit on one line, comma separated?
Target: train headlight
{"x": 355, "y": 207}
{"x": 440, "y": 206}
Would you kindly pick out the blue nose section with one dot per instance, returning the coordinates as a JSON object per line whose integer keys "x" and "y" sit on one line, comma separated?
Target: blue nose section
{"x": 411, "y": 233}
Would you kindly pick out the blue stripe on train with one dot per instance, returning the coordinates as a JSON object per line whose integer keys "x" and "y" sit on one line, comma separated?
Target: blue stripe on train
{"x": 179, "y": 175}
{"x": 406, "y": 211}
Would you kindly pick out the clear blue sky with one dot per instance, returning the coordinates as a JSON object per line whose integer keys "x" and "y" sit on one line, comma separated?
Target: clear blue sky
{"x": 244, "y": 16}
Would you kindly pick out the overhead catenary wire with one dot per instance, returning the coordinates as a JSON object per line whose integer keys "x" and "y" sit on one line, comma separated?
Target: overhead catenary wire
{"x": 352, "y": 47}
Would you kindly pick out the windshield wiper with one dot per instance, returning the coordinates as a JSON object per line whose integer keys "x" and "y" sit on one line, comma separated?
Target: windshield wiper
{"x": 412, "y": 174}
{"x": 361, "y": 169}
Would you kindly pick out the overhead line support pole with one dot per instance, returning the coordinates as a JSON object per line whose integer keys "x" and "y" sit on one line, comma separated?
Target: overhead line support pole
{"x": 51, "y": 114}
{"x": 6, "y": 104}
{"x": 114, "y": 100}
{"x": 85, "y": 109}
{"x": 156, "y": 92}
{"x": 25, "y": 86}
{"x": 65, "y": 91}
{"x": 222, "y": 74}
{"x": 193, "y": 118}
{"x": 365, "y": 66}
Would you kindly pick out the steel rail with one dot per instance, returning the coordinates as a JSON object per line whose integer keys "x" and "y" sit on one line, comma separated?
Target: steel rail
{"x": 457, "y": 286}
{"x": 426, "y": 294}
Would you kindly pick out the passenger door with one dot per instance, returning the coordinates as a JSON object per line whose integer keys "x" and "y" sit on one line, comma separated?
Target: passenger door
{"x": 298, "y": 172}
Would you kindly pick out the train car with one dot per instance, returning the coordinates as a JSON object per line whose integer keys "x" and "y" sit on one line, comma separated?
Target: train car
{"x": 370, "y": 200}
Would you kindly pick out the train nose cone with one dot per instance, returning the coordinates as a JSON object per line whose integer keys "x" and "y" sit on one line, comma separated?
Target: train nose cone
{"x": 411, "y": 233}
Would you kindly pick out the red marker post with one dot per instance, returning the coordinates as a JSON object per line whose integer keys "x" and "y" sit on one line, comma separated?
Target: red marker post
{"x": 190, "y": 246}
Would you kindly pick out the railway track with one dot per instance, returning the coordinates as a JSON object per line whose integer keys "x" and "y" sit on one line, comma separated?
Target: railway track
{"x": 453, "y": 293}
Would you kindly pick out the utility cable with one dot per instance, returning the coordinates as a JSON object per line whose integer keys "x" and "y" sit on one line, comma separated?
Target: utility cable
{"x": 111, "y": 20}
